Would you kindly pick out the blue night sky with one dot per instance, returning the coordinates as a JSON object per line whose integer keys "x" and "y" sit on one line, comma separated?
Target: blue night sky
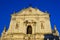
{"x": 7, "y": 7}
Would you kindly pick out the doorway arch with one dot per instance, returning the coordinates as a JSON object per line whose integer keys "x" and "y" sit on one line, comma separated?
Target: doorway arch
{"x": 29, "y": 29}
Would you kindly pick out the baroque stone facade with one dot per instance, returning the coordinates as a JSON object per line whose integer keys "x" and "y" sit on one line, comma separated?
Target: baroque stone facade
{"x": 29, "y": 24}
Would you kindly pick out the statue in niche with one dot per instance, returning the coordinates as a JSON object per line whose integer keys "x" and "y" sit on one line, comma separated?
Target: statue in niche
{"x": 42, "y": 26}
{"x": 17, "y": 25}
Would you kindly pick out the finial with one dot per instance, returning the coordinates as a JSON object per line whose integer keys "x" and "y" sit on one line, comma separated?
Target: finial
{"x": 56, "y": 31}
{"x": 55, "y": 27}
{"x": 4, "y": 28}
{"x": 47, "y": 13}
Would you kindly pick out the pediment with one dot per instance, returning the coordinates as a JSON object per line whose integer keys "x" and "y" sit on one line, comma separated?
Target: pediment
{"x": 29, "y": 11}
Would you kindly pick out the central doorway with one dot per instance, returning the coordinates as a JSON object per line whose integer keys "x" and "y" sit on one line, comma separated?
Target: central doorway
{"x": 29, "y": 29}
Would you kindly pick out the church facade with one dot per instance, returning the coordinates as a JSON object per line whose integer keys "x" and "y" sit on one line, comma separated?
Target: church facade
{"x": 30, "y": 24}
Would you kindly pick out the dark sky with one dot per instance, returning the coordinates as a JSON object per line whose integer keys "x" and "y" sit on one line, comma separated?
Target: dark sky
{"x": 7, "y": 7}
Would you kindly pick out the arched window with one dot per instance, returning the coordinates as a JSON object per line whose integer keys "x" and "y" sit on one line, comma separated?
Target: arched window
{"x": 29, "y": 29}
